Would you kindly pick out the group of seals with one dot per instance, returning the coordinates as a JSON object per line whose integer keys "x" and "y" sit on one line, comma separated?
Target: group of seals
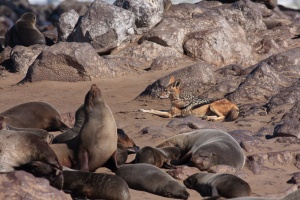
{"x": 206, "y": 148}
{"x": 24, "y": 32}
{"x": 28, "y": 152}
{"x": 227, "y": 185}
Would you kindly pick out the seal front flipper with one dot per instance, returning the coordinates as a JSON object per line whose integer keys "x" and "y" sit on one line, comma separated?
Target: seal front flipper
{"x": 83, "y": 159}
{"x": 182, "y": 160}
{"x": 112, "y": 162}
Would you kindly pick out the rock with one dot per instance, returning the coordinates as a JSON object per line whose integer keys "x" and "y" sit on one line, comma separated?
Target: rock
{"x": 70, "y": 62}
{"x": 66, "y": 24}
{"x": 286, "y": 98}
{"x": 287, "y": 129}
{"x": 271, "y": 4}
{"x": 79, "y": 6}
{"x": 147, "y": 13}
{"x": 146, "y": 52}
{"x": 244, "y": 138}
{"x": 165, "y": 63}
{"x": 104, "y": 26}
{"x": 191, "y": 77}
{"x": 267, "y": 78}
{"x": 222, "y": 169}
{"x": 23, "y": 57}
{"x": 183, "y": 172}
{"x": 295, "y": 178}
{"x": 24, "y": 185}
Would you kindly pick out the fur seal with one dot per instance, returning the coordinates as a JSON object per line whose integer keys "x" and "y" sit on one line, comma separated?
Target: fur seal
{"x": 64, "y": 154}
{"x": 98, "y": 135}
{"x": 149, "y": 178}
{"x": 95, "y": 185}
{"x": 227, "y": 185}
{"x": 206, "y": 148}
{"x": 47, "y": 137}
{"x": 24, "y": 32}
{"x": 159, "y": 157}
{"x": 39, "y": 115}
{"x": 30, "y": 153}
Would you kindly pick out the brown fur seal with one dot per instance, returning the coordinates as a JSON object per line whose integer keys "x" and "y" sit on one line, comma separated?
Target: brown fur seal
{"x": 47, "y": 137}
{"x": 206, "y": 148}
{"x": 30, "y": 153}
{"x": 98, "y": 135}
{"x": 64, "y": 154}
{"x": 227, "y": 185}
{"x": 34, "y": 115}
{"x": 160, "y": 157}
{"x": 24, "y": 32}
{"x": 151, "y": 179}
{"x": 95, "y": 185}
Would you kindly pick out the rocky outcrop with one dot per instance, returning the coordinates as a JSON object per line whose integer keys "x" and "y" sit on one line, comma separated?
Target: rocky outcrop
{"x": 104, "y": 26}
{"x": 24, "y": 185}
{"x": 70, "y": 62}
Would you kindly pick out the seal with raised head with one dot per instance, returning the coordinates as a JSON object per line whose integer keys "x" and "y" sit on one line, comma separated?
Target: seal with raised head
{"x": 160, "y": 157}
{"x": 227, "y": 185}
{"x": 206, "y": 148}
{"x": 39, "y": 115}
{"x": 149, "y": 178}
{"x": 98, "y": 135}
{"x": 24, "y": 32}
{"x": 88, "y": 185}
{"x": 30, "y": 153}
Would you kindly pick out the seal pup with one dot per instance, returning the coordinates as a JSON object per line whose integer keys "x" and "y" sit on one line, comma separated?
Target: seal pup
{"x": 95, "y": 185}
{"x": 227, "y": 185}
{"x": 64, "y": 154}
{"x": 205, "y": 148}
{"x": 39, "y": 115}
{"x": 98, "y": 135}
{"x": 47, "y": 137}
{"x": 149, "y": 178}
{"x": 159, "y": 157}
{"x": 24, "y": 32}
{"x": 30, "y": 153}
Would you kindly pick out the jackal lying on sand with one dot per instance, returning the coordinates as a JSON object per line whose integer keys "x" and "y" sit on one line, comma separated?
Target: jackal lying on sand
{"x": 210, "y": 109}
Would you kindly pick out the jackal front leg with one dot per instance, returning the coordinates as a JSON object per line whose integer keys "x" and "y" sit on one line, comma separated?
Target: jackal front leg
{"x": 157, "y": 112}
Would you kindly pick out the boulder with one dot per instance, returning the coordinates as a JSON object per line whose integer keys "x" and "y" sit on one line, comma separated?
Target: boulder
{"x": 66, "y": 24}
{"x": 147, "y": 13}
{"x": 70, "y": 62}
{"x": 24, "y": 185}
{"x": 104, "y": 26}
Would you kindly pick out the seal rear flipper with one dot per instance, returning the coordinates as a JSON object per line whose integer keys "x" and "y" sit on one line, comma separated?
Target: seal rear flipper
{"x": 111, "y": 163}
{"x": 183, "y": 160}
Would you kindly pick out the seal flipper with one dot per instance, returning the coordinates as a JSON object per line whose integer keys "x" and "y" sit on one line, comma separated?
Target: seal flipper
{"x": 83, "y": 160}
{"x": 183, "y": 160}
{"x": 111, "y": 163}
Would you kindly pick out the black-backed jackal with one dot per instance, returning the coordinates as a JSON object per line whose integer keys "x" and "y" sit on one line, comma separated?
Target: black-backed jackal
{"x": 210, "y": 109}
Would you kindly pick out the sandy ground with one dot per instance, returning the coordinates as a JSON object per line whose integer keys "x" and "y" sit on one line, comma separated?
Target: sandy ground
{"x": 120, "y": 93}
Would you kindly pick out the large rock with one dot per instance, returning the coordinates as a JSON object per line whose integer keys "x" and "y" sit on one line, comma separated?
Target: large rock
{"x": 147, "y": 13}
{"x": 104, "y": 26}
{"x": 22, "y": 185}
{"x": 23, "y": 57}
{"x": 268, "y": 78}
{"x": 191, "y": 77}
{"x": 70, "y": 62}
{"x": 66, "y": 24}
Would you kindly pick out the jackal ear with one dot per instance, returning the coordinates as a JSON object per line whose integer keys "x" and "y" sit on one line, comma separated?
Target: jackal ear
{"x": 177, "y": 83}
{"x": 172, "y": 80}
